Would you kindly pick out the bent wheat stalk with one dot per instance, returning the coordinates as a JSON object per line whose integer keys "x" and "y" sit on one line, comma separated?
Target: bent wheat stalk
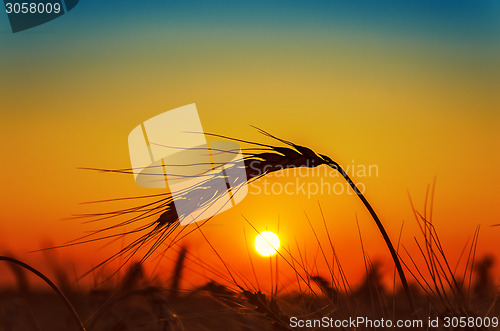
{"x": 381, "y": 228}
{"x": 56, "y": 289}
{"x": 259, "y": 161}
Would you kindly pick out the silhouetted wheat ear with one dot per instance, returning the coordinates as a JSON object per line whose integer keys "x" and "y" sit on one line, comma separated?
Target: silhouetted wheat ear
{"x": 258, "y": 161}
{"x": 267, "y": 307}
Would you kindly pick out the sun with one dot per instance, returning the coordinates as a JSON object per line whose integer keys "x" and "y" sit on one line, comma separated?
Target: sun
{"x": 267, "y": 243}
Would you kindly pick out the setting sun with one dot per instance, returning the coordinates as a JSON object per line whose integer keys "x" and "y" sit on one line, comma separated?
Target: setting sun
{"x": 267, "y": 243}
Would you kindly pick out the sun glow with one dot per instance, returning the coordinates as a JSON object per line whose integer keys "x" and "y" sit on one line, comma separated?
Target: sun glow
{"x": 267, "y": 243}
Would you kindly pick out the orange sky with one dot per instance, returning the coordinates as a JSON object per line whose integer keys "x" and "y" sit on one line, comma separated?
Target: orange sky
{"x": 406, "y": 106}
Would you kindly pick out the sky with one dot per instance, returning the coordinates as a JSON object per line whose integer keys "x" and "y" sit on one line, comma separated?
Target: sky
{"x": 409, "y": 87}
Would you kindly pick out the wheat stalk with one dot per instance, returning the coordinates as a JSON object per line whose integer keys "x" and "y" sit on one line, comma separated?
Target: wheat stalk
{"x": 259, "y": 160}
{"x": 54, "y": 287}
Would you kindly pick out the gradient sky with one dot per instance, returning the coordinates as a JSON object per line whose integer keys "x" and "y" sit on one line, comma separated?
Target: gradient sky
{"x": 409, "y": 86}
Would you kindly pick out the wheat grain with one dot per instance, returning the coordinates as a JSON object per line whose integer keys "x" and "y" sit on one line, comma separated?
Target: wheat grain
{"x": 258, "y": 161}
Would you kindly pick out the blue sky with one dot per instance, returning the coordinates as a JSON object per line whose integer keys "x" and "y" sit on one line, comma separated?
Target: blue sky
{"x": 431, "y": 18}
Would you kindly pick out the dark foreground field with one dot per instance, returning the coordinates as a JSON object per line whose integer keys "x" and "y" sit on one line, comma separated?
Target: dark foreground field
{"x": 137, "y": 303}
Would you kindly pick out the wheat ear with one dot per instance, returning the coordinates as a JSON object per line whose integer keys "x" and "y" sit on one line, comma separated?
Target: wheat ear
{"x": 258, "y": 162}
